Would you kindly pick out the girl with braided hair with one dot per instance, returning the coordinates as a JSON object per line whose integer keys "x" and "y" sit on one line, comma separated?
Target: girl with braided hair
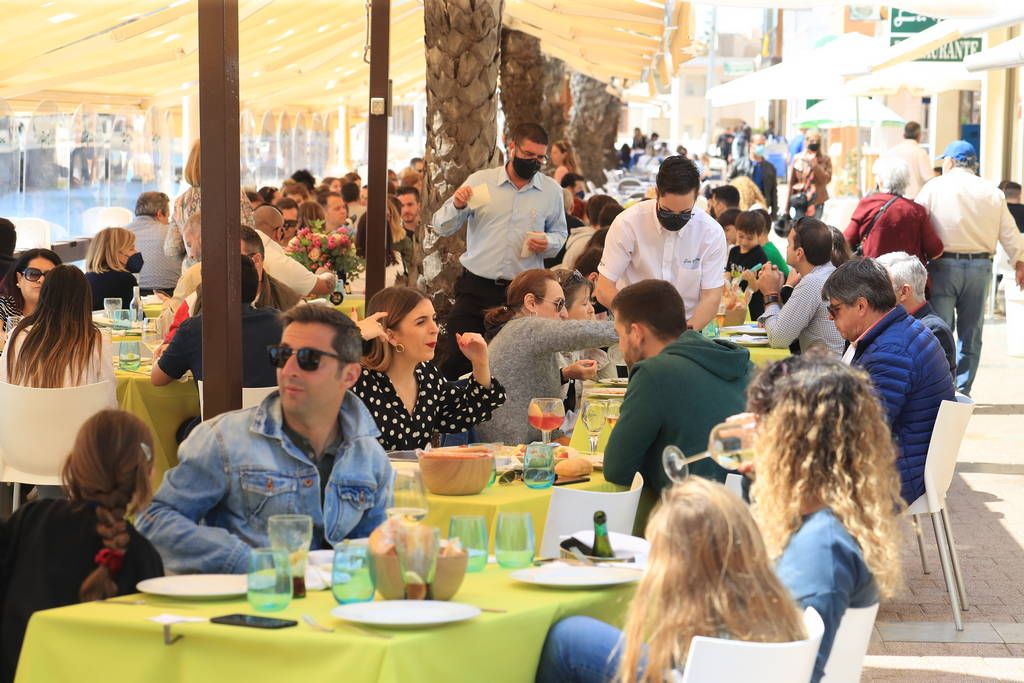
{"x": 62, "y": 552}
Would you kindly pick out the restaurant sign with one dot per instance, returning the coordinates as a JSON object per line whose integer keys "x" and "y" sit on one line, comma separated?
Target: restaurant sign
{"x": 902, "y": 21}
{"x": 954, "y": 51}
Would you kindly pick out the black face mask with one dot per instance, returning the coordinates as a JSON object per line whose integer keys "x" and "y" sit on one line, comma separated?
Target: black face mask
{"x": 814, "y": 146}
{"x": 525, "y": 168}
{"x": 673, "y": 222}
{"x": 134, "y": 264}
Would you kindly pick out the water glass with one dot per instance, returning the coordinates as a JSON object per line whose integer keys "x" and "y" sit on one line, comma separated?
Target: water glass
{"x": 129, "y": 355}
{"x": 293, "y": 534}
{"x": 122, "y": 319}
{"x": 351, "y": 579}
{"x": 471, "y": 530}
{"x": 110, "y": 305}
{"x": 407, "y": 499}
{"x": 417, "y": 546}
{"x": 539, "y": 465}
{"x": 269, "y": 581}
{"x": 514, "y": 542}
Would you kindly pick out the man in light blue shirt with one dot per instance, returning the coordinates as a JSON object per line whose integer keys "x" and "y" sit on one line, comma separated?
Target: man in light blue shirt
{"x": 516, "y": 211}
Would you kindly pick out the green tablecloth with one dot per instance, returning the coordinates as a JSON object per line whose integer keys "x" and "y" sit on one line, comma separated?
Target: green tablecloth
{"x": 162, "y": 408}
{"x": 104, "y": 642}
{"x": 515, "y": 497}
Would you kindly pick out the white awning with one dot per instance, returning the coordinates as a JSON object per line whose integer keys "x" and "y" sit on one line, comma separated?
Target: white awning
{"x": 1002, "y": 56}
{"x": 917, "y": 78}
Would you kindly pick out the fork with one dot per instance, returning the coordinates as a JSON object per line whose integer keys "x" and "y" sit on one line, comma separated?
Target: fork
{"x": 314, "y": 624}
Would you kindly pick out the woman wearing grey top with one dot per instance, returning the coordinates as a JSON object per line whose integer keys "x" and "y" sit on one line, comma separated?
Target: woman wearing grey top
{"x": 533, "y": 330}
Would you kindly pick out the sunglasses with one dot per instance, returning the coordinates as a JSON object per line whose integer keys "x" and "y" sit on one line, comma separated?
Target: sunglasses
{"x": 291, "y": 224}
{"x": 33, "y": 274}
{"x": 559, "y": 304}
{"x": 833, "y": 309}
{"x": 307, "y": 358}
{"x": 574, "y": 276}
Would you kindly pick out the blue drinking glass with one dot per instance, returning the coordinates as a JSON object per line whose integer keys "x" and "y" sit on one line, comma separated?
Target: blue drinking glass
{"x": 351, "y": 579}
{"x": 269, "y": 580}
{"x": 514, "y": 541}
{"x": 539, "y": 465}
{"x": 471, "y": 530}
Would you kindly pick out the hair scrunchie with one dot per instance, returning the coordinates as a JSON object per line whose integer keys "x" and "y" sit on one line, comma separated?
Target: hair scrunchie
{"x": 111, "y": 559}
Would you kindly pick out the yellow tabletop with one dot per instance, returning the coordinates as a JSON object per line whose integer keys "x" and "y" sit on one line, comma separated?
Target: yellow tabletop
{"x": 152, "y": 310}
{"x": 162, "y": 408}
{"x": 515, "y": 497}
{"x": 353, "y": 302}
{"x": 103, "y": 642}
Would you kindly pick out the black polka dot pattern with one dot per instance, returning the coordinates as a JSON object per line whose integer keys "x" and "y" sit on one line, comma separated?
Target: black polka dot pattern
{"x": 441, "y": 406}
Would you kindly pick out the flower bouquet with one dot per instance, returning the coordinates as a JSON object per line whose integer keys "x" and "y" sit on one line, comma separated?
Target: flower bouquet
{"x": 315, "y": 248}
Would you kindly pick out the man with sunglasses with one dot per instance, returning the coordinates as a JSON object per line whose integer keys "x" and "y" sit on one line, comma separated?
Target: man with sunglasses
{"x": 310, "y": 448}
{"x": 521, "y": 222}
{"x": 668, "y": 239}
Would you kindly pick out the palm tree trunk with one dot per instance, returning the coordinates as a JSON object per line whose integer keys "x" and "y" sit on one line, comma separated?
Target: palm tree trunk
{"x": 522, "y": 69}
{"x": 555, "y": 106}
{"x": 462, "y": 40}
{"x": 593, "y": 126}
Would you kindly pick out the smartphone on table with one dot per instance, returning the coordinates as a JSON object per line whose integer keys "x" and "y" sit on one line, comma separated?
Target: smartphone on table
{"x": 253, "y": 621}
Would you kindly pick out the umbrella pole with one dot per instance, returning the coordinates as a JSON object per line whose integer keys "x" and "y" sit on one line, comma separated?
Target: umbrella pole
{"x": 860, "y": 179}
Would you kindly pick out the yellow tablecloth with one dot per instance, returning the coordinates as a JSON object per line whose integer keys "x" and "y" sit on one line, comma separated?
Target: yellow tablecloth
{"x": 516, "y": 497}
{"x": 152, "y": 310}
{"x": 353, "y": 301}
{"x": 103, "y": 642}
{"x": 162, "y": 408}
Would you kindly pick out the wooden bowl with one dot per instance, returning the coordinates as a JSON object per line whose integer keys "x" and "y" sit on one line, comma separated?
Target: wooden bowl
{"x": 458, "y": 476}
{"x": 447, "y": 577}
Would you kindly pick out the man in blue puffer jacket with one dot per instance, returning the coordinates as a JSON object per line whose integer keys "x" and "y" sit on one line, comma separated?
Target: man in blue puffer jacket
{"x": 905, "y": 361}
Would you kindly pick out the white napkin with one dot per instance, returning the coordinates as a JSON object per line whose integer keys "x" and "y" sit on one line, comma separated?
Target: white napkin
{"x": 318, "y": 577}
{"x": 481, "y": 197}
{"x": 526, "y": 247}
{"x": 166, "y": 619}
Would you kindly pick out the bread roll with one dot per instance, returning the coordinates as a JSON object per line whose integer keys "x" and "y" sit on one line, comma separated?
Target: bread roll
{"x": 570, "y": 468}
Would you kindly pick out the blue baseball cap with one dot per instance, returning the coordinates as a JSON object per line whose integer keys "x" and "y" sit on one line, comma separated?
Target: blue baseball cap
{"x": 960, "y": 150}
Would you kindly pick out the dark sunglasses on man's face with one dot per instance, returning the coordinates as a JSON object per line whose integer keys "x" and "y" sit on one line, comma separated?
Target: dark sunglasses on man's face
{"x": 33, "y": 274}
{"x": 307, "y": 358}
{"x": 291, "y": 224}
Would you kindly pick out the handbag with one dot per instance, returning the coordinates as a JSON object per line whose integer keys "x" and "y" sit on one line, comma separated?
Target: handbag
{"x": 859, "y": 251}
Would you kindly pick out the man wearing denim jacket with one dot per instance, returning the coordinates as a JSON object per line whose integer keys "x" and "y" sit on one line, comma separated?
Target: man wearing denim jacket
{"x": 309, "y": 448}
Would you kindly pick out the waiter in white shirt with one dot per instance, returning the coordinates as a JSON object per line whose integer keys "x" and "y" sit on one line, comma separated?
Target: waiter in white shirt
{"x": 970, "y": 215}
{"x": 911, "y": 151}
{"x": 516, "y": 220}
{"x": 668, "y": 239}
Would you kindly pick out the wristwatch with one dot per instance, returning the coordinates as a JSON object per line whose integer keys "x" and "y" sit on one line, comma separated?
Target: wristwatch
{"x": 771, "y": 299}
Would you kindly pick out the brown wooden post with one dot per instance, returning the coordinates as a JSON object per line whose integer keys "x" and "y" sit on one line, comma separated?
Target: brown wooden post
{"x": 221, "y": 212}
{"x": 377, "y": 172}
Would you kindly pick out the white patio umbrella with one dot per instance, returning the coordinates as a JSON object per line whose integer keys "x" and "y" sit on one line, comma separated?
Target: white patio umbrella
{"x": 838, "y": 112}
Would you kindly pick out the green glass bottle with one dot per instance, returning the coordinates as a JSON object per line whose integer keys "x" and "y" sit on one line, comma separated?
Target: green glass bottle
{"x": 602, "y": 546}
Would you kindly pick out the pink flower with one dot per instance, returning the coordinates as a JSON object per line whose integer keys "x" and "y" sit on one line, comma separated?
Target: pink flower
{"x": 314, "y": 254}
{"x": 344, "y": 241}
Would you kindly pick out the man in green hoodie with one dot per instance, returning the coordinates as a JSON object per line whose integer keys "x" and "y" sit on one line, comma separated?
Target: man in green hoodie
{"x": 681, "y": 384}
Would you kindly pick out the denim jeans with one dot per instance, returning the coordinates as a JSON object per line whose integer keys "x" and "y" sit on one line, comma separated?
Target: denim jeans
{"x": 959, "y": 287}
{"x": 580, "y": 650}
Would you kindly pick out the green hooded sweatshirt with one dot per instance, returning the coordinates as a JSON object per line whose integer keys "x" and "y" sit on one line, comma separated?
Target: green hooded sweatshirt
{"x": 676, "y": 398}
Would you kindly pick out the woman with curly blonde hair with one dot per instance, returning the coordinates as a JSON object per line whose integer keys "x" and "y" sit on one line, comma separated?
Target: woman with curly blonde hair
{"x": 751, "y": 197}
{"x": 707, "y": 575}
{"x": 827, "y": 492}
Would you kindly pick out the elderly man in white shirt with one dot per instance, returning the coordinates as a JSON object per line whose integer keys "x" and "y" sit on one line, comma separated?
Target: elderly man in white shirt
{"x": 668, "y": 239}
{"x": 970, "y": 215}
{"x": 911, "y": 151}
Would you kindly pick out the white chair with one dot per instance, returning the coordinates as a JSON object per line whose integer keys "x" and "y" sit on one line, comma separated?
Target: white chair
{"x": 99, "y": 217}
{"x": 948, "y": 433}
{"x": 846, "y": 660}
{"x": 716, "y": 660}
{"x": 734, "y": 482}
{"x": 33, "y": 233}
{"x": 34, "y": 445}
{"x": 572, "y": 509}
{"x": 251, "y": 396}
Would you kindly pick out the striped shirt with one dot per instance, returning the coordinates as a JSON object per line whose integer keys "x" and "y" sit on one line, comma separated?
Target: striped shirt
{"x": 804, "y": 317}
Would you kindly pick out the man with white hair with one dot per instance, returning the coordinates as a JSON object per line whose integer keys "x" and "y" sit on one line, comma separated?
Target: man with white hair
{"x": 886, "y": 221}
{"x": 909, "y": 278}
{"x": 910, "y": 151}
{"x": 970, "y": 216}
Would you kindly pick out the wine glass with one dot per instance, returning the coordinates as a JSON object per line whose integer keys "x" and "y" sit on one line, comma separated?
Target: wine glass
{"x": 593, "y": 414}
{"x": 546, "y": 415}
{"x": 407, "y": 499}
{"x": 730, "y": 444}
{"x": 151, "y": 338}
{"x": 611, "y": 413}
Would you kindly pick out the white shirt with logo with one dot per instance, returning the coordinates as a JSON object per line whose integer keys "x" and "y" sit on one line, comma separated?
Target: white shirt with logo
{"x": 692, "y": 259}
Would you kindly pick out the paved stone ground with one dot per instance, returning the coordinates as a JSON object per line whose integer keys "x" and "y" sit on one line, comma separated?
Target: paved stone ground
{"x": 988, "y": 523}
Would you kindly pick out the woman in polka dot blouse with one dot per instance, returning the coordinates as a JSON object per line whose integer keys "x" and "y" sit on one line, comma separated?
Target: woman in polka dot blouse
{"x": 408, "y": 396}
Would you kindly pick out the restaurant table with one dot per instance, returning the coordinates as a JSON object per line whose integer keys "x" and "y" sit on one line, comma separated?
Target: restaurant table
{"x": 514, "y": 497}
{"x": 100, "y": 642}
{"x": 353, "y": 302}
{"x": 162, "y": 408}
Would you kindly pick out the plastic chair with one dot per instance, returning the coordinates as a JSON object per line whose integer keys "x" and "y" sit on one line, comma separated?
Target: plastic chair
{"x": 99, "y": 217}
{"x": 33, "y": 445}
{"x": 572, "y": 509}
{"x": 714, "y": 660}
{"x": 948, "y": 433}
{"x": 33, "y": 233}
{"x": 251, "y": 396}
{"x": 846, "y": 660}
{"x": 734, "y": 482}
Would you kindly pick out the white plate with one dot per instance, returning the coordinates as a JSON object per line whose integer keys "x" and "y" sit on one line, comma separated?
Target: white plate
{"x": 575, "y": 576}
{"x": 749, "y": 328}
{"x": 405, "y": 613}
{"x": 196, "y": 586}
{"x": 748, "y": 340}
{"x": 607, "y": 391}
